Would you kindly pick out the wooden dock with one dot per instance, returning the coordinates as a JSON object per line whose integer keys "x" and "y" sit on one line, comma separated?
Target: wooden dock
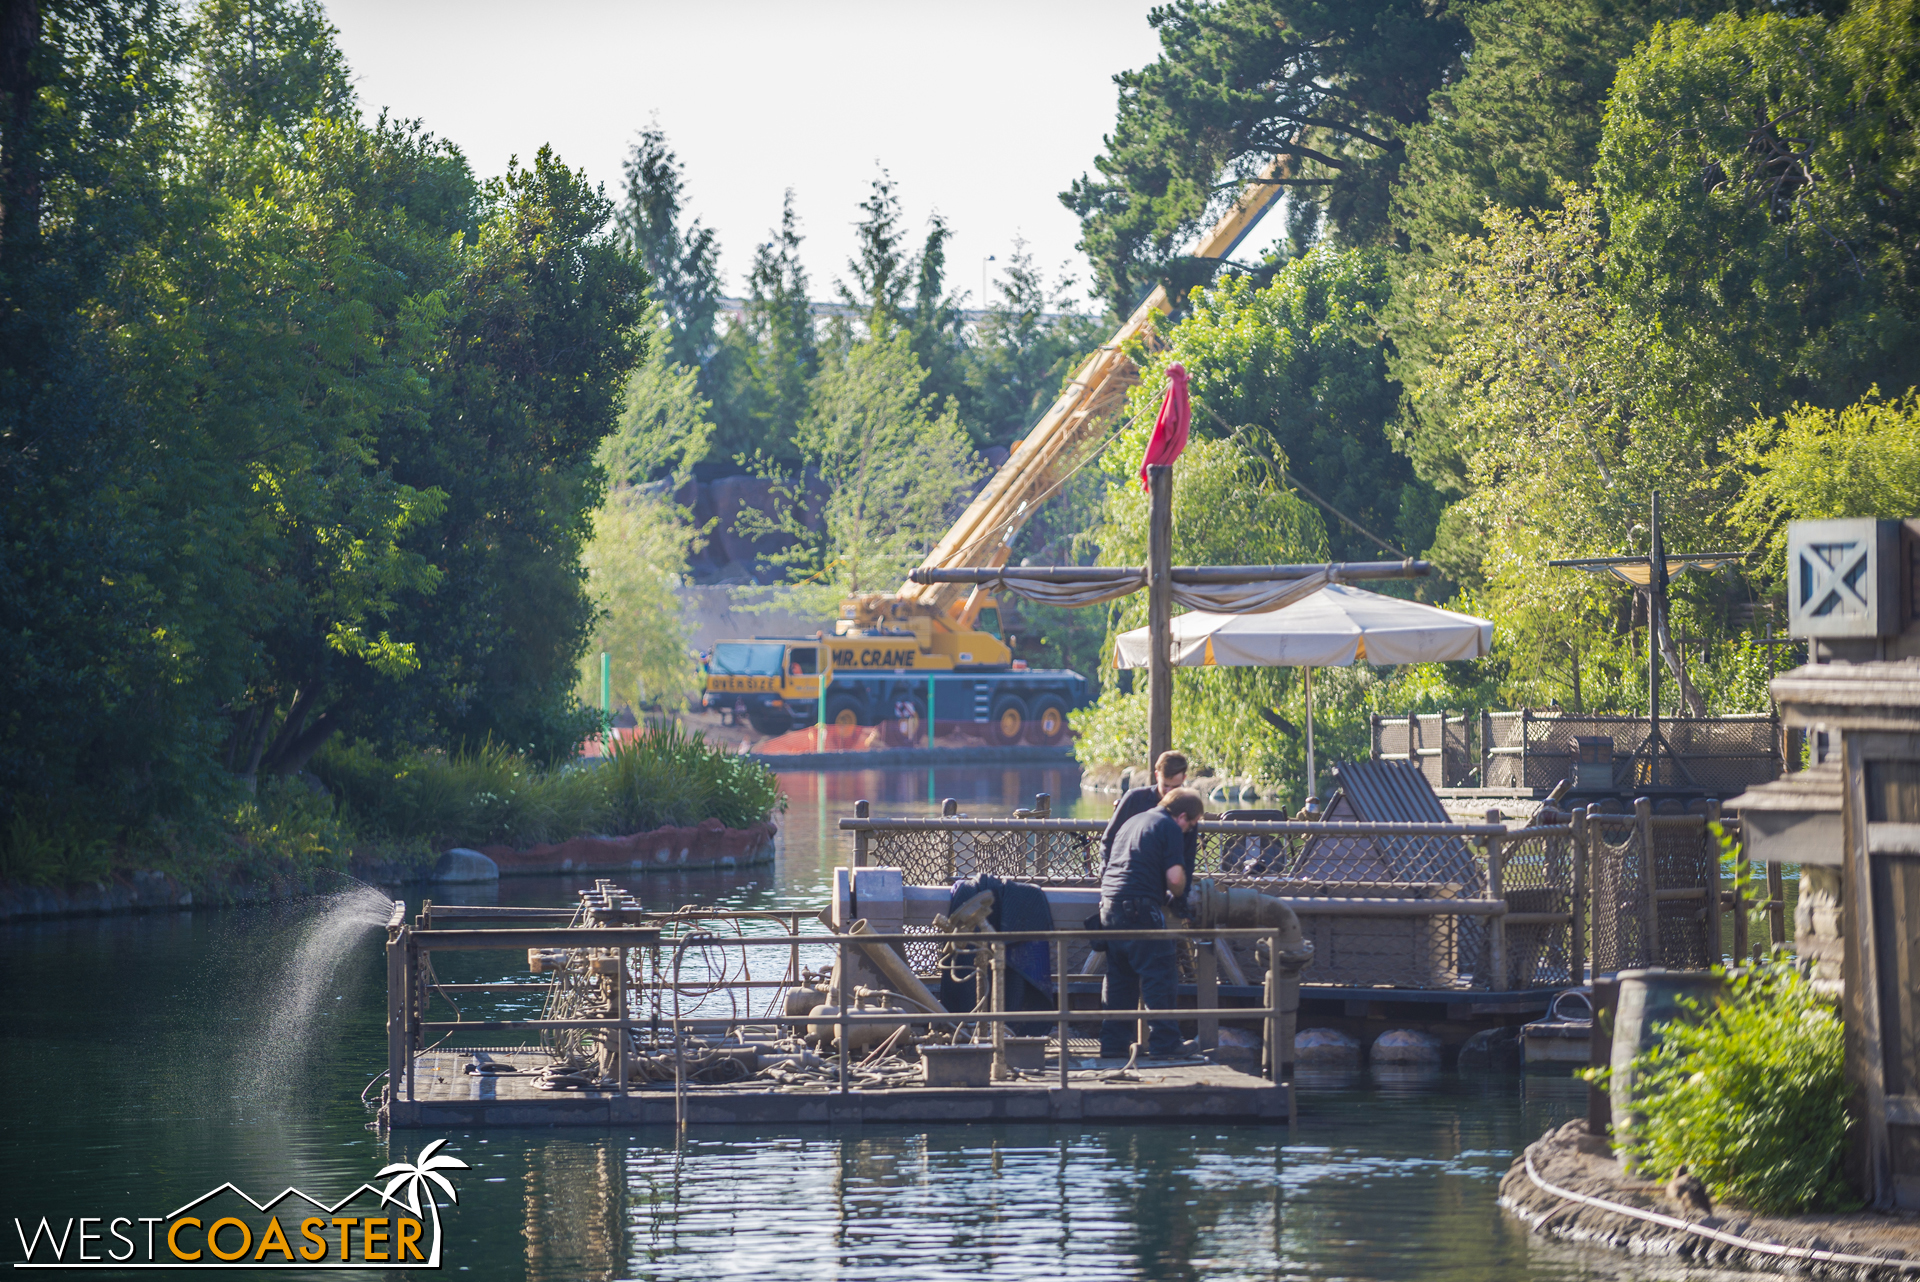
{"x": 446, "y": 1095}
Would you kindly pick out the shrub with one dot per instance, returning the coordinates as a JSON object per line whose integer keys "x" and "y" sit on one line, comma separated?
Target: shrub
{"x": 492, "y": 795}
{"x": 1752, "y": 1098}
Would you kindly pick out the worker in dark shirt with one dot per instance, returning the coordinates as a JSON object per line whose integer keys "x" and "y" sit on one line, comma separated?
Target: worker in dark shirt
{"x": 1145, "y": 871}
{"x": 1169, "y": 772}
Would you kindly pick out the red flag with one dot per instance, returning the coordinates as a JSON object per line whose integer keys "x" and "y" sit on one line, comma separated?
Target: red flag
{"x": 1170, "y": 429}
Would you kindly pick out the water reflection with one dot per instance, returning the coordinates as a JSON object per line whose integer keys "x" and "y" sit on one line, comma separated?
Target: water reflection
{"x": 130, "y": 1044}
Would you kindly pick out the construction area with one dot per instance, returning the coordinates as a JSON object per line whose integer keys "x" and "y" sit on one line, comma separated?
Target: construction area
{"x": 956, "y": 980}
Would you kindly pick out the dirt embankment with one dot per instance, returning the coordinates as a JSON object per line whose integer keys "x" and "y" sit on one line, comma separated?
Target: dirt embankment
{"x": 1562, "y": 1186}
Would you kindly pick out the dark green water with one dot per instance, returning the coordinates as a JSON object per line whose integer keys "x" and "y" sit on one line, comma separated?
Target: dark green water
{"x": 143, "y": 1067}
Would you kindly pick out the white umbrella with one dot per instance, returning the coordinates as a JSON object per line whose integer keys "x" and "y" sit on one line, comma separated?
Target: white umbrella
{"x": 1334, "y": 627}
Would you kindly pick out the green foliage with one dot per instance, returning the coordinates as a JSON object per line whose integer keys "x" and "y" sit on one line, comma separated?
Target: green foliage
{"x": 634, "y": 564}
{"x": 1332, "y": 88}
{"x": 1021, "y": 355}
{"x": 1300, "y": 368}
{"x": 683, "y": 263}
{"x": 1811, "y": 463}
{"x": 300, "y": 422}
{"x": 893, "y": 469}
{"x": 767, "y": 360}
{"x": 493, "y": 795}
{"x": 1751, "y": 1099}
{"x": 1759, "y": 173}
{"x": 668, "y": 777}
{"x": 1524, "y": 122}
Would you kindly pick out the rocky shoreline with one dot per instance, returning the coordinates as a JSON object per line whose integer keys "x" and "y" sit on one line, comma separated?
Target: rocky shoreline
{"x": 1593, "y": 1202}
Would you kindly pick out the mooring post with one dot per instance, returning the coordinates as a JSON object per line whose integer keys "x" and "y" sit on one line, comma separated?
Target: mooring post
{"x": 1159, "y": 610}
{"x": 399, "y": 986}
{"x": 1650, "y": 908}
{"x": 1497, "y": 925}
{"x": 1206, "y": 991}
{"x": 997, "y": 955}
{"x": 1275, "y": 1051}
{"x": 1711, "y": 845}
{"x": 1577, "y": 945}
{"x": 1776, "y": 905}
{"x": 840, "y": 996}
{"x": 1060, "y": 985}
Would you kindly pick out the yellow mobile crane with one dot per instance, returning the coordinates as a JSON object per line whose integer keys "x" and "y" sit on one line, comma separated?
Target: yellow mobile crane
{"x": 874, "y": 665}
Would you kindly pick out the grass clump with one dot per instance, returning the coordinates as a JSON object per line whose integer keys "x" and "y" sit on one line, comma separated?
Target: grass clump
{"x": 1751, "y": 1099}
{"x": 492, "y": 795}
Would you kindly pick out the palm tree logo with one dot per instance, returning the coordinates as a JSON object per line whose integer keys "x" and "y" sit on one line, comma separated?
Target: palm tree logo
{"x": 414, "y": 1177}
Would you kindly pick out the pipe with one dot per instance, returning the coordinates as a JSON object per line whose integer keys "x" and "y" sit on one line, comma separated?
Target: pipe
{"x": 1218, "y": 907}
{"x": 896, "y": 970}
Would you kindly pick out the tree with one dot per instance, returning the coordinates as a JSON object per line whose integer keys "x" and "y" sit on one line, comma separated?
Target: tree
{"x": 1299, "y": 368}
{"x": 1022, "y": 354}
{"x": 1758, "y": 173}
{"x": 894, "y": 467}
{"x": 267, "y": 62}
{"x": 1556, "y": 413}
{"x": 1813, "y": 464}
{"x": 684, "y": 263}
{"x": 770, "y": 356}
{"x": 1524, "y": 120}
{"x": 1331, "y": 89}
{"x": 666, "y": 425}
{"x": 635, "y": 560}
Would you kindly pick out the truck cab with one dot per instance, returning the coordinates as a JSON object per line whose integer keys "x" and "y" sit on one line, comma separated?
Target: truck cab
{"x": 773, "y": 682}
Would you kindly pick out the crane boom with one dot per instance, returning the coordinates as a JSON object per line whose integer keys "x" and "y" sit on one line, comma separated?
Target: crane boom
{"x": 983, "y": 536}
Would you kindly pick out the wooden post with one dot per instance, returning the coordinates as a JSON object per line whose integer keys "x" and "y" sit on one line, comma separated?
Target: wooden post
{"x": 1206, "y": 991}
{"x": 1159, "y": 610}
{"x": 1742, "y": 880}
{"x": 620, "y": 1013}
{"x": 1496, "y": 926}
{"x": 1713, "y": 887}
{"x": 1060, "y": 986}
{"x": 1413, "y": 740}
{"x": 1486, "y": 748}
{"x": 1776, "y": 907}
{"x": 1656, "y": 606}
{"x": 1650, "y": 883}
{"x": 862, "y": 838}
{"x": 1275, "y": 1052}
{"x": 399, "y": 994}
{"x": 997, "y": 954}
{"x": 1577, "y": 944}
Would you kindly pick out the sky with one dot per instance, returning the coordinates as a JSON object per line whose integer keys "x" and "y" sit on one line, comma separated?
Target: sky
{"x": 983, "y": 111}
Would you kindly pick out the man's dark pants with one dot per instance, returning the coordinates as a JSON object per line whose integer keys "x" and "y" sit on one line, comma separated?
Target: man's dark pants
{"x": 1138, "y": 968}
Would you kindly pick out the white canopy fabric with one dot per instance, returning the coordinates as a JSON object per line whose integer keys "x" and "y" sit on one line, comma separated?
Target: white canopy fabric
{"x": 1334, "y": 627}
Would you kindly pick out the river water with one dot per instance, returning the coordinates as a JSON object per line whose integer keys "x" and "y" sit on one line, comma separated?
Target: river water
{"x": 151, "y": 1058}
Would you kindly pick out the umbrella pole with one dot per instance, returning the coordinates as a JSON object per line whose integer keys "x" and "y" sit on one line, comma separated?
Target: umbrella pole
{"x": 1312, "y": 778}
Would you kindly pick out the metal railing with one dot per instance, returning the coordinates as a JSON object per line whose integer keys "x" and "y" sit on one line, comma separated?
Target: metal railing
{"x": 617, "y": 953}
{"x": 1394, "y": 905}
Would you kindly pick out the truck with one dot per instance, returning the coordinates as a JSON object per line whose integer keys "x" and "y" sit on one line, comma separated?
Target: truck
{"x": 933, "y": 647}
{"x": 895, "y": 678}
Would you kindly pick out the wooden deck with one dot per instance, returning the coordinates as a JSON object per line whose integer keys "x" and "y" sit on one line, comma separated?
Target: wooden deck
{"x": 448, "y": 1096}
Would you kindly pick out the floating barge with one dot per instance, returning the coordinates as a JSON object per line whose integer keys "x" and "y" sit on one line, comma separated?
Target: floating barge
{"x": 632, "y": 1033}
{"x": 701, "y": 1017}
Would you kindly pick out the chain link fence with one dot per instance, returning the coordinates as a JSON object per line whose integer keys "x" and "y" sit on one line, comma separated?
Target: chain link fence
{"x": 1451, "y": 944}
{"x": 1436, "y": 743}
{"x": 1527, "y": 749}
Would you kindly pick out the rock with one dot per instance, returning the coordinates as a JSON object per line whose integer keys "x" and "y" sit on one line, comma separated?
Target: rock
{"x": 1492, "y": 1050}
{"x": 1325, "y": 1046}
{"x": 1404, "y": 1046}
{"x": 461, "y": 864}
